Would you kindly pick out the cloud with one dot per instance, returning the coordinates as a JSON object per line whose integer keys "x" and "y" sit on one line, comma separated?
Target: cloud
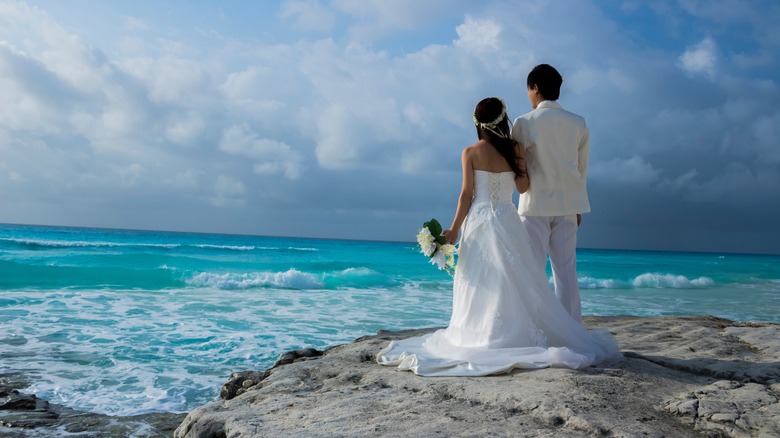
{"x": 308, "y": 15}
{"x": 371, "y": 20}
{"x": 478, "y": 35}
{"x": 273, "y": 156}
{"x": 132, "y": 23}
{"x": 362, "y": 112}
{"x": 31, "y": 92}
{"x": 130, "y": 174}
{"x": 186, "y": 180}
{"x": 337, "y": 145}
{"x": 634, "y": 170}
{"x": 723, "y": 11}
{"x": 745, "y": 61}
{"x": 228, "y": 191}
{"x": 170, "y": 79}
{"x": 766, "y": 132}
{"x": 184, "y": 128}
{"x": 701, "y": 58}
{"x": 682, "y": 183}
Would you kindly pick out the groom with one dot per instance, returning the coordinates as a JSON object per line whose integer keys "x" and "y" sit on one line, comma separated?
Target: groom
{"x": 557, "y": 145}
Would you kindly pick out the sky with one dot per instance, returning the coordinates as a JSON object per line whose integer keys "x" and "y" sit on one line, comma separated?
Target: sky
{"x": 346, "y": 118}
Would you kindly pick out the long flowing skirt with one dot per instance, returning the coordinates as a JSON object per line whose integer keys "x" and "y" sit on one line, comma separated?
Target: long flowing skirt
{"x": 504, "y": 314}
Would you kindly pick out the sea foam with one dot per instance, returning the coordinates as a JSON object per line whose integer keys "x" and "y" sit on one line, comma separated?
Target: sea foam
{"x": 601, "y": 283}
{"x": 646, "y": 280}
{"x": 82, "y": 244}
{"x": 228, "y": 247}
{"x": 671, "y": 281}
{"x": 290, "y": 279}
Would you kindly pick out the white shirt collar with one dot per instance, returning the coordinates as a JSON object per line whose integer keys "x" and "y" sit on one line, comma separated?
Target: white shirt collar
{"x": 548, "y": 104}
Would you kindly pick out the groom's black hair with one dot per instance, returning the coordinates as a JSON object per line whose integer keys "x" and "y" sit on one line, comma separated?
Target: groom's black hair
{"x": 547, "y": 79}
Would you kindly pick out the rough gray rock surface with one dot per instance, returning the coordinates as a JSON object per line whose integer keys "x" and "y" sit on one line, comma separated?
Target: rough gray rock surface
{"x": 25, "y": 415}
{"x": 682, "y": 376}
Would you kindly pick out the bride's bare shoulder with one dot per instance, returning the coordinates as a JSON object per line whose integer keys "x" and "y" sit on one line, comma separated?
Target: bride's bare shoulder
{"x": 475, "y": 155}
{"x": 476, "y": 148}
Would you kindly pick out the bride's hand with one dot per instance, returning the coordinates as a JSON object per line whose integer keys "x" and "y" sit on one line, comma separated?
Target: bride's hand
{"x": 450, "y": 236}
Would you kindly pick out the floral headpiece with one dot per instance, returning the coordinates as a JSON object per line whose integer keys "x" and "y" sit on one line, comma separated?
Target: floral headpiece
{"x": 491, "y": 126}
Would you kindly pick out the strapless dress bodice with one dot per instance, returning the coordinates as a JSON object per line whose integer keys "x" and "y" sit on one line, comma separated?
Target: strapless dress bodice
{"x": 492, "y": 187}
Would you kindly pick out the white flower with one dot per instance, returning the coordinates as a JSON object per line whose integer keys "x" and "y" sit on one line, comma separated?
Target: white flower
{"x": 448, "y": 249}
{"x": 439, "y": 259}
{"x": 449, "y": 254}
{"x": 427, "y": 242}
{"x": 441, "y": 255}
{"x": 428, "y": 249}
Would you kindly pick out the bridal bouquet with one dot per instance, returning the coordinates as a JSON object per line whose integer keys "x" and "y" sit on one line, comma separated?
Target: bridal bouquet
{"x": 435, "y": 246}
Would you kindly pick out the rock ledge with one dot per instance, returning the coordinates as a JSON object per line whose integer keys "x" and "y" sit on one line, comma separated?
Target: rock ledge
{"x": 682, "y": 376}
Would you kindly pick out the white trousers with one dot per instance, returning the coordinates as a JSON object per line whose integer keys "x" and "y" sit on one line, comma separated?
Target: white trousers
{"x": 557, "y": 236}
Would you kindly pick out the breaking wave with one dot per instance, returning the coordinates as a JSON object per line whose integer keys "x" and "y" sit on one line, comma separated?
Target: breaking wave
{"x": 647, "y": 280}
{"x": 291, "y": 279}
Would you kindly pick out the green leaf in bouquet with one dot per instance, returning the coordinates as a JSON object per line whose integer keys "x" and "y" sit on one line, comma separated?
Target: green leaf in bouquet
{"x": 434, "y": 227}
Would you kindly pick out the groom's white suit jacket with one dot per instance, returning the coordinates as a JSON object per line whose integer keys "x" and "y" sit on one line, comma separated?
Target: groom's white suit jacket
{"x": 557, "y": 143}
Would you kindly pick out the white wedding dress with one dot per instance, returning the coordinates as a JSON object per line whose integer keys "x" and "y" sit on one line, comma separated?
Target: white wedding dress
{"x": 504, "y": 314}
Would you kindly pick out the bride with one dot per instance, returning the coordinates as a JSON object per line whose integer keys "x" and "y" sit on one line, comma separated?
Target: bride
{"x": 504, "y": 314}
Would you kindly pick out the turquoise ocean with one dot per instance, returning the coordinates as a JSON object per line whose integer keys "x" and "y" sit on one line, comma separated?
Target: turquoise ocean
{"x": 126, "y": 322}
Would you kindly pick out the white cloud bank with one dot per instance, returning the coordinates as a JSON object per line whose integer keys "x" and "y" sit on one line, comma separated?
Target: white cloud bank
{"x": 331, "y": 133}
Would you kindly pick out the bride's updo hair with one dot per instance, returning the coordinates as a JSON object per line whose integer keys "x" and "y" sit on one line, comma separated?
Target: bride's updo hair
{"x": 493, "y": 126}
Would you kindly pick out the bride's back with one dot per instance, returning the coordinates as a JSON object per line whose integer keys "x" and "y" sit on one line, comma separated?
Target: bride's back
{"x": 487, "y": 158}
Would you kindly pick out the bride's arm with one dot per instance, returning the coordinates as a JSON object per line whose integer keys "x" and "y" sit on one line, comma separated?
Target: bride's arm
{"x": 521, "y": 182}
{"x": 466, "y": 196}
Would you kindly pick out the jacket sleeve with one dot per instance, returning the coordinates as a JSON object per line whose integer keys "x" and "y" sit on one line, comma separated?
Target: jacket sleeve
{"x": 518, "y": 133}
{"x": 583, "y": 151}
